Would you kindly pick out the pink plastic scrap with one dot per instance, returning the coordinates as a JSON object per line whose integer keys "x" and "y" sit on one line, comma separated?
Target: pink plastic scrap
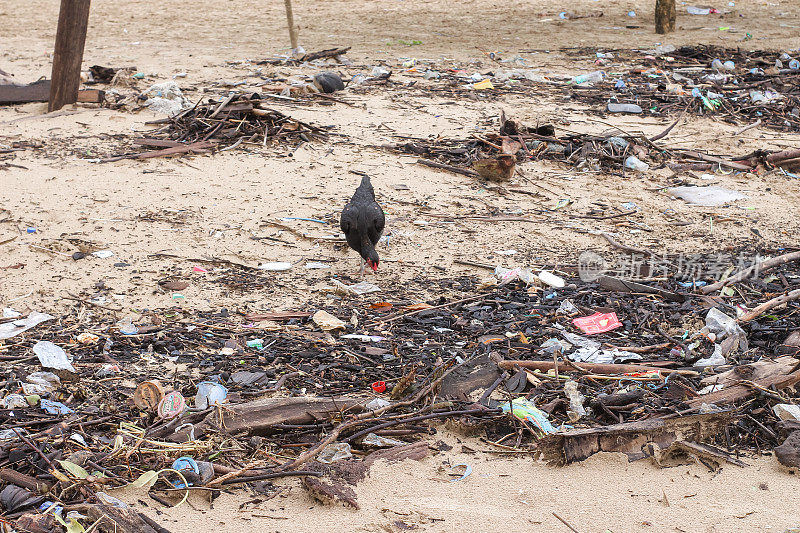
{"x": 597, "y": 323}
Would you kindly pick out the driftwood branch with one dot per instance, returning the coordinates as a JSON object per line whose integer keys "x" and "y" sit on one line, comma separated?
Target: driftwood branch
{"x": 770, "y": 304}
{"x": 746, "y": 273}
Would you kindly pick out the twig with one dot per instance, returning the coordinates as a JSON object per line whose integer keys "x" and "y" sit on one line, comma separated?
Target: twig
{"x": 397, "y": 316}
{"x": 669, "y": 128}
{"x": 748, "y": 127}
{"x": 621, "y": 246}
{"x": 757, "y": 267}
{"x": 451, "y": 168}
{"x": 152, "y": 523}
{"x": 89, "y": 302}
{"x": 334, "y": 434}
{"x": 270, "y": 475}
{"x": 473, "y": 263}
{"x": 566, "y": 523}
{"x": 418, "y": 419}
{"x": 770, "y": 304}
{"x": 34, "y": 448}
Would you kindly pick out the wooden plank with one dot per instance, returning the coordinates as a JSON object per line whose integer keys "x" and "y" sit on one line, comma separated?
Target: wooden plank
{"x": 73, "y": 20}
{"x": 91, "y": 96}
{"x": 39, "y": 91}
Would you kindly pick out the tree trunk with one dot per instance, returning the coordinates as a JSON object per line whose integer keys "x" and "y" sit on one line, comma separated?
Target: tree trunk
{"x": 665, "y": 16}
{"x": 73, "y": 19}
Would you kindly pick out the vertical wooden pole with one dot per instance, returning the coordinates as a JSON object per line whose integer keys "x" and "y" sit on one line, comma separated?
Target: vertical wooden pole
{"x": 665, "y": 16}
{"x": 73, "y": 20}
{"x": 292, "y": 27}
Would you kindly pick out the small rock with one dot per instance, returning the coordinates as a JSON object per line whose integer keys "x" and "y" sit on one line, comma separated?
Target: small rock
{"x": 788, "y": 453}
{"x": 328, "y": 82}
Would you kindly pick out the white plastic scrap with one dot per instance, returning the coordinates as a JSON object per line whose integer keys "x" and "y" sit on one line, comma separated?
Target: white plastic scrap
{"x": 10, "y": 313}
{"x": 377, "y": 441}
{"x": 359, "y": 289}
{"x": 41, "y": 383}
{"x": 589, "y": 351}
{"x": 52, "y": 356}
{"x": 377, "y": 403}
{"x": 550, "y": 279}
{"x": 724, "y": 328}
{"x": 327, "y": 322}
{"x": 568, "y": 308}
{"x": 706, "y": 196}
{"x": 507, "y": 275}
{"x": 787, "y": 411}
{"x": 363, "y": 338}
{"x": 11, "y": 329}
{"x": 551, "y": 345}
{"x": 166, "y": 98}
{"x": 576, "y": 410}
{"x": 716, "y": 358}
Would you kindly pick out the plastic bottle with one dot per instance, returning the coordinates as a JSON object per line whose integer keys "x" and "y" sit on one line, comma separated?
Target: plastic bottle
{"x": 548, "y": 278}
{"x": 592, "y": 77}
{"x": 692, "y": 10}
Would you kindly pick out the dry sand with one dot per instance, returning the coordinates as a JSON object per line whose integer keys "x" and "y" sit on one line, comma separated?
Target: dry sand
{"x": 210, "y": 207}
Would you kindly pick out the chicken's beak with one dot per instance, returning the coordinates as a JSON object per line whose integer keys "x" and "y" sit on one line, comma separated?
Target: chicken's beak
{"x": 373, "y": 265}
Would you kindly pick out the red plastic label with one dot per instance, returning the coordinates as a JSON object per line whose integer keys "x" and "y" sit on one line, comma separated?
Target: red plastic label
{"x": 597, "y": 323}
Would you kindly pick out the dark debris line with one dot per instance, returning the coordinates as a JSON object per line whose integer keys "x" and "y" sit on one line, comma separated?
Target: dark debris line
{"x": 438, "y": 360}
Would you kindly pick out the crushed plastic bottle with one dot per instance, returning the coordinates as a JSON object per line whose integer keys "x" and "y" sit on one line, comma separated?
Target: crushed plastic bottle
{"x": 693, "y": 10}
{"x": 209, "y": 394}
{"x": 592, "y": 77}
{"x": 636, "y": 164}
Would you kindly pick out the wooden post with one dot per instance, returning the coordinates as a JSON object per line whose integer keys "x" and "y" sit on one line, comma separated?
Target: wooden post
{"x": 73, "y": 20}
{"x": 292, "y": 28}
{"x": 665, "y": 16}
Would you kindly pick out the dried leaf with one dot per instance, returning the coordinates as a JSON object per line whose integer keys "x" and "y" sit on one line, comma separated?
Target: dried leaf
{"x": 174, "y": 285}
{"x": 76, "y": 470}
{"x": 417, "y": 307}
{"x": 146, "y": 480}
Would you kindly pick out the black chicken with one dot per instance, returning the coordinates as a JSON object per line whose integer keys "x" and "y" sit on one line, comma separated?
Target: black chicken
{"x": 362, "y": 222}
